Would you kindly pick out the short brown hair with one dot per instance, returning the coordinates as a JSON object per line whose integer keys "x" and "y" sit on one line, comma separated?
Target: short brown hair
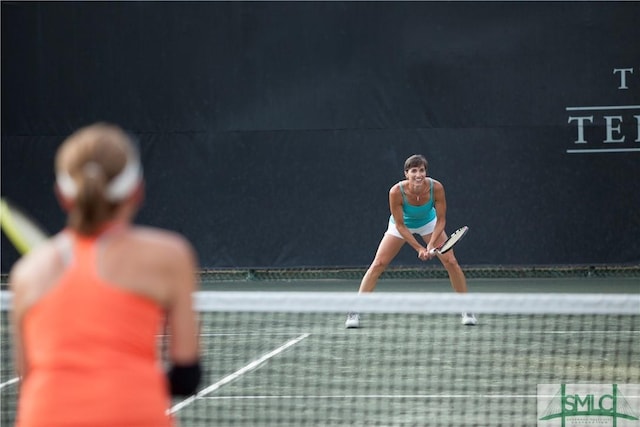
{"x": 415, "y": 161}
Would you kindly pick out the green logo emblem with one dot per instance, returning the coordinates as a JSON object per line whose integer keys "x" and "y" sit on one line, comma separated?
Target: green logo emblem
{"x": 587, "y": 404}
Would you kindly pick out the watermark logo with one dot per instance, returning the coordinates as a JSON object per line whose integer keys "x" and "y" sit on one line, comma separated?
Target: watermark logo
{"x": 573, "y": 405}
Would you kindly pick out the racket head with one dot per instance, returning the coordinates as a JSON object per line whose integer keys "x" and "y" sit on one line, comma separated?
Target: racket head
{"x": 21, "y": 230}
{"x": 455, "y": 237}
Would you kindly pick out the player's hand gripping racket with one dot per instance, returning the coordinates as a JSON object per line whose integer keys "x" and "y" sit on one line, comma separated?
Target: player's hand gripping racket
{"x": 451, "y": 241}
{"x": 22, "y": 231}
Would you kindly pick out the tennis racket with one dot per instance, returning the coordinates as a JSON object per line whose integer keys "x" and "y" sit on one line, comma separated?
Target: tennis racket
{"x": 22, "y": 231}
{"x": 451, "y": 241}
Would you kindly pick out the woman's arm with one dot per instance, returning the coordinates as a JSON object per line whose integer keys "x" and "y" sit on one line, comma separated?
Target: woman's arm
{"x": 184, "y": 350}
{"x": 440, "y": 204}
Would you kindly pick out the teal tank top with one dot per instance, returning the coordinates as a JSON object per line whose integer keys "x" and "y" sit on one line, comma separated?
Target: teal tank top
{"x": 417, "y": 216}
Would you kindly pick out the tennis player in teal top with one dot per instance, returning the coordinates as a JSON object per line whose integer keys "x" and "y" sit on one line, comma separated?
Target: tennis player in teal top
{"x": 418, "y": 207}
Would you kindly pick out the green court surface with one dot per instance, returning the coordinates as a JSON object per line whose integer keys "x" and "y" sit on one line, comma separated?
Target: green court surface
{"x": 408, "y": 370}
{"x": 403, "y": 369}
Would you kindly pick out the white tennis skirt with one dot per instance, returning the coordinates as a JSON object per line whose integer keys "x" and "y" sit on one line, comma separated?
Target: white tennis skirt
{"x": 422, "y": 231}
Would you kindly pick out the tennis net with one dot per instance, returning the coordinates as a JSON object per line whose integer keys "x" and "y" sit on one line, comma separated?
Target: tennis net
{"x": 286, "y": 359}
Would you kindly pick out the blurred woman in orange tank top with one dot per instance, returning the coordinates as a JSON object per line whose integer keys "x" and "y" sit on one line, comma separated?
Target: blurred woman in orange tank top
{"x": 89, "y": 303}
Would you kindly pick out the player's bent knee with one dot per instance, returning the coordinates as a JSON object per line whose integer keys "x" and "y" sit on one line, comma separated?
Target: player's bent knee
{"x": 379, "y": 265}
{"x": 449, "y": 261}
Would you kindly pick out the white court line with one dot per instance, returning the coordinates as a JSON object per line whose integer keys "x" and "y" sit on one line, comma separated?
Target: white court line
{"x": 8, "y": 383}
{"x": 484, "y": 333}
{"x": 250, "y": 334}
{"x": 241, "y": 334}
{"x": 392, "y": 396}
{"x": 581, "y": 332}
{"x": 383, "y": 396}
{"x": 251, "y": 366}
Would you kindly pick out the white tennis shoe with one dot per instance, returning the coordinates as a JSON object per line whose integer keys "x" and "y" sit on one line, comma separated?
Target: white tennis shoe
{"x": 468, "y": 319}
{"x": 353, "y": 321}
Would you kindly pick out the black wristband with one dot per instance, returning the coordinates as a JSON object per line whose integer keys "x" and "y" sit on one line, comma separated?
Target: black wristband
{"x": 184, "y": 379}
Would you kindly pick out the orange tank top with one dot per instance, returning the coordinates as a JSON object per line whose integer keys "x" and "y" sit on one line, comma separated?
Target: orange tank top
{"x": 92, "y": 353}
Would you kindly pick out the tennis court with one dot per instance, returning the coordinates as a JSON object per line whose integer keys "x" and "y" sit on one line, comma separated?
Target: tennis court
{"x": 274, "y": 367}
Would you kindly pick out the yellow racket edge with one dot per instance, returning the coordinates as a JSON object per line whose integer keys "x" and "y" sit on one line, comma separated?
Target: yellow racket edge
{"x": 23, "y": 233}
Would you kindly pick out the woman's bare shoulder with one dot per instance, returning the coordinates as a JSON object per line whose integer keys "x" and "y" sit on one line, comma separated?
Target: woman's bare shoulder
{"x": 162, "y": 242}
{"x": 435, "y": 182}
{"x": 395, "y": 188}
{"x": 33, "y": 274}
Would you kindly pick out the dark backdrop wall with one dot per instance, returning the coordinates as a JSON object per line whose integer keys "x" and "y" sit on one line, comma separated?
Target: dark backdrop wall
{"x": 271, "y": 132}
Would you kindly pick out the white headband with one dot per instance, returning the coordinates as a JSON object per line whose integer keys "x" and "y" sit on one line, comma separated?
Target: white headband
{"x": 120, "y": 187}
